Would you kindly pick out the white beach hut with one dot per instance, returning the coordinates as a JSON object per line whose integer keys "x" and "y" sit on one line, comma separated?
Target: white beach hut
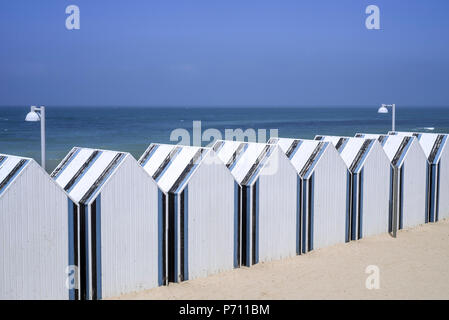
{"x": 198, "y": 210}
{"x": 268, "y": 209}
{"x": 322, "y": 192}
{"x": 117, "y": 232}
{"x": 36, "y": 224}
{"x": 436, "y": 149}
{"x": 369, "y": 183}
{"x": 407, "y": 156}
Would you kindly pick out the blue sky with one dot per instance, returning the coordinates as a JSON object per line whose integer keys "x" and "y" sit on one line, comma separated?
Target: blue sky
{"x": 209, "y": 53}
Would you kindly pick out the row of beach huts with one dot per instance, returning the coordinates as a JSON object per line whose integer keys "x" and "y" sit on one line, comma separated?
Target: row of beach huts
{"x": 103, "y": 224}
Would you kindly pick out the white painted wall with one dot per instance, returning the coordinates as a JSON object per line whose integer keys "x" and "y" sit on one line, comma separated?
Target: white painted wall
{"x": 414, "y": 186}
{"x": 210, "y": 219}
{"x": 277, "y": 208}
{"x": 33, "y": 237}
{"x": 330, "y": 197}
{"x": 376, "y": 192}
{"x": 129, "y": 230}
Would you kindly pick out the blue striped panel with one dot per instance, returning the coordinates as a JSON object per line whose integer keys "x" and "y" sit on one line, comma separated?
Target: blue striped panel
{"x": 437, "y": 156}
{"x": 150, "y": 155}
{"x": 260, "y": 166}
{"x": 68, "y": 162}
{"x": 404, "y": 152}
{"x": 354, "y": 193}
{"x": 84, "y": 171}
{"x": 296, "y": 149}
{"x": 186, "y": 233}
{"x": 71, "y": 242}
{"x": 298, "y": 214}
{"x": 248, "y": 226}
{"x": 160, "y": 232}
{"x": 256, "y": 249}
{"x": 238, "y": 156}
{"x": 304, "y": 216}
{"x": 236, "y": 219}
{"x": 175, "y": 223}
{"x": 105, "y": 178}
{"x": 432, "y": 193}
{"x": 437, "y": 193}
{"x": 309, "y": 171}
{"x": 3, "y": 159}
{"x": 360, "y": 164}
{"x": 312, "y": 187}
{"x": 343, "y": 145}
{"x": 426, "y": 213}
{"x": 401, "y": 198}
{"x": 98, "y": 244}
{"x": 361, "y": 206}
{"x": 181, "y": 185}
{"x": 348, "y": 196}
{"x": 168, "y": 164}
{"x": 385, "y": 140}
{"x": 390, "y": 207}
{"x": 86, "y": 239}
{"x": 13, "y": 177}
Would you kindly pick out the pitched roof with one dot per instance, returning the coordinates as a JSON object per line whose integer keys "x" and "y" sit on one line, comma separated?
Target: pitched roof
{"x": 10, "y": 168}
{"x": 304, "y": 154}
{"x": 431, "y": 143}
{"x": 395, "y": 147}
{"x": 352, "y": 150}
{"x": 243, "y": 159}
{"x": 171, "y": 165}
{"x": 83, "y": 171}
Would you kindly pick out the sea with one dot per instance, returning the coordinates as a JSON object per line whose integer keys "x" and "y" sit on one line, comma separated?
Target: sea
{"x": 132, "y": 129}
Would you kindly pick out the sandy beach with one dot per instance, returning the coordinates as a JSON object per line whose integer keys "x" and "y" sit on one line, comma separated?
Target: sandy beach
{"x": 415, "y": 265}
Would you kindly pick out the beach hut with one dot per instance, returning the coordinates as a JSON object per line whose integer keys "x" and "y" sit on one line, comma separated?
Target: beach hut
{"x": 435, "y": 148}
{"x": 197, "y": 209}
{"x": 369, "y": 184}
{"x": 117, "y": 233}
{"x": 322, "y": 192}
{"x": 36, "y": 224}
{"x": 410, "y": 167}
{"x": 268, "y": 209}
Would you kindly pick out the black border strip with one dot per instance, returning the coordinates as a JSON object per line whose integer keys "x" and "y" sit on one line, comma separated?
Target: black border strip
{"x": 11, "y": 174}
{"x": 100, "y": 179}
{"x": 64, "y": 162}
{"x": 255, "y": 165}
{"x": 81, "y": 170}
{"x": 165, "y": 163}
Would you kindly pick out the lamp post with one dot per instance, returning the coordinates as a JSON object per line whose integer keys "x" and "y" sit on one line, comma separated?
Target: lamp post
{"x": 383, "y": 109}
{"x": 38, "y": 114}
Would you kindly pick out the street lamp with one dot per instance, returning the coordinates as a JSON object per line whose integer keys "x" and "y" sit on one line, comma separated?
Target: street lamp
{"x": 38, "y": 114}
{"x": 383, "y": 109}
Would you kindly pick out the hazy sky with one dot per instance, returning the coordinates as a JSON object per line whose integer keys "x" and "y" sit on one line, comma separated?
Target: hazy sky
{"x": 227, "y": 52}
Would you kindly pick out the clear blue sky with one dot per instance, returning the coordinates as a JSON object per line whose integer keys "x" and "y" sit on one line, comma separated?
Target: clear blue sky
{"x": 209, "y": 52}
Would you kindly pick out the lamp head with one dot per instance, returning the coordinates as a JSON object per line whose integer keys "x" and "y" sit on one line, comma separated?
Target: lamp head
{"x": 32, "y": 116}
{"x": 382, "y": 109}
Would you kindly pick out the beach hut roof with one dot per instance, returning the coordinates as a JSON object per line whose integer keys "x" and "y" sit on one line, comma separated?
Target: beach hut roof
{"x": 304, "y": 154}
{"x": 84, "y": 171}
{"x": 431, "y": 143}
{"x": 10, "y": 168}
{"x": 244, "y": 159}
{"x": 171, "y": 166}
{"x": 353, "y": 150}
{"x": 395, "y": 147}
{"x": 338, "y": 142}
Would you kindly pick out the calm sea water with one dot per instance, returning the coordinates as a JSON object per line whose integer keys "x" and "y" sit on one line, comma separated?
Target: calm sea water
{"x": 132, "y": 129}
